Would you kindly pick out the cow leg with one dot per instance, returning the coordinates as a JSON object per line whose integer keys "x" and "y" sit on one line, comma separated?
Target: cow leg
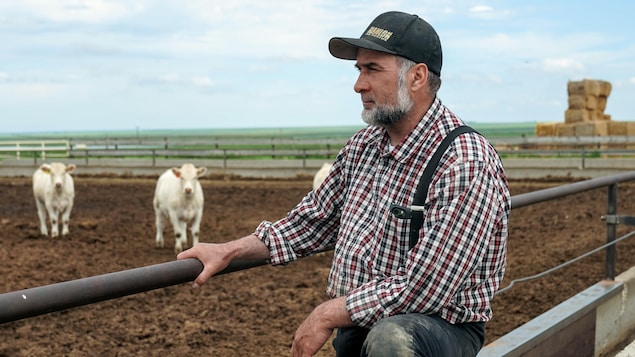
{"x": 159, "y": 243}
{"x": 41, "y": 213}
{"x": 178, "y": 232}
{"x": 54, "y": 219}
{"x": 180, "y": 242}
{"x": 196, "y": 224}
{"x": 66, "y": 217}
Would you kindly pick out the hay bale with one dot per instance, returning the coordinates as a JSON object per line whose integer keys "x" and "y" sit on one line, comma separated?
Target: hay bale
{"x": 590, "y": 102}
{"x": 600, "y": 104}
{"x": 589, "y": 87}
{"x": 546, "y": 129}
{"x": 602, "y": 128}
{"x": 585, "y": 129}
{"x": 564, "y": 129}
{"x": 617, "y": 128}
{"x": 592, "y": 128}
{"x": 572, "y": 116}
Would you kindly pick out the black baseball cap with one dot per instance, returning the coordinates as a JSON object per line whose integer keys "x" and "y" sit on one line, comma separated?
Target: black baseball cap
{"x": 397, "y": 33}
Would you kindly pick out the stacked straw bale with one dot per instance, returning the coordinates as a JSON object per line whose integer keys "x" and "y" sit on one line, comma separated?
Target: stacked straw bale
{"x": 587, "y": 101}
{"x": 585, "y": 115}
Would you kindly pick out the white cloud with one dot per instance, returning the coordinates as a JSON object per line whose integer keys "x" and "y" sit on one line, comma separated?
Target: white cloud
{"x": 29, "y": 92}
{"x": 78, "y": 10}
{"x": 566, "y": 65}
{"x": 485, "y": 12}
{"x": 481, "y": 9}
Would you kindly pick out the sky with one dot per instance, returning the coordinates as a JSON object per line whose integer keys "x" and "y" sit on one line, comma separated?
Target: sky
{"x": 92, "y": 65}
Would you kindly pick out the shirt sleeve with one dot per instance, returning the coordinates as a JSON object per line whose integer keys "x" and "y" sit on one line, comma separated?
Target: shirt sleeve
{"x": 462, "y": 217}
{"x": 309, "y": 228}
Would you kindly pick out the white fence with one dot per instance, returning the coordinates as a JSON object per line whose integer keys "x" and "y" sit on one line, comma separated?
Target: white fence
{"x": 41, "y": 148}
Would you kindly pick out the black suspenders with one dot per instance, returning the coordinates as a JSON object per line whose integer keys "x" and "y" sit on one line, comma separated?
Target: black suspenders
{"x": 415, "y": 213}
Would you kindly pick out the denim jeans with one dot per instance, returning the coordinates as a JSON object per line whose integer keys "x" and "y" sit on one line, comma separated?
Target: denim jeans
{"x": 411, "y": 335}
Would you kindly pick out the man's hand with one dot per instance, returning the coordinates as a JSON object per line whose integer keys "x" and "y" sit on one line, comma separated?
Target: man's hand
{"x": 216, "y": 257}
{"x": 316, "y": 329}
{"x": 210, "y": 255}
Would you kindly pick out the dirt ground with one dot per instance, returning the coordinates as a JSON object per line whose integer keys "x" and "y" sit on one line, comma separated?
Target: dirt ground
{"x": 253, "y": 312}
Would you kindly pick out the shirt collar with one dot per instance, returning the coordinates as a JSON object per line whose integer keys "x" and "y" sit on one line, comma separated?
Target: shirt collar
{"x": 403, "y": 151}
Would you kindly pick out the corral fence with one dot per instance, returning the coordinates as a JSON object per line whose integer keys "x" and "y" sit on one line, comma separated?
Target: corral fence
{"x": 55, "y": 297}
{"x": 523, "y": 157}
{"x": 203, "y": 147}
{"x": 176, "y": 147}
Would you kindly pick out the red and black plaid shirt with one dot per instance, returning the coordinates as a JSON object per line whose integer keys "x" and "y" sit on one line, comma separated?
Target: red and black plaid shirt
{"x": 459, "y": 260}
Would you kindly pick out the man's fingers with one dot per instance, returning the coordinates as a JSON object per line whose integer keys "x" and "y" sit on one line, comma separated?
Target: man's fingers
{"x": 185, "y": 254}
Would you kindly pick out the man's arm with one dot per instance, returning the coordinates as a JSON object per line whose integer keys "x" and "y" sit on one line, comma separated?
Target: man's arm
{"x": 216, "y": 257}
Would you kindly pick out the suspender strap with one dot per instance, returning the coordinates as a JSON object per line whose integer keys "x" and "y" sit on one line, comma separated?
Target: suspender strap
{"x": 424, "y": 182}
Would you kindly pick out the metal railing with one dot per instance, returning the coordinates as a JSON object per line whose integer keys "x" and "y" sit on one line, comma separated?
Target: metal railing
{"x": 55, "y": 297}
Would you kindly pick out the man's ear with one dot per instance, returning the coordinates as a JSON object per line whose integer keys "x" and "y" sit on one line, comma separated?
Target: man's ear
{"x": 420, "y": 73}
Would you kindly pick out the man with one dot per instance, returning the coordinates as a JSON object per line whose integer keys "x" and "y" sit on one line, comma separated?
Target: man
{"x": 389, "y": 299}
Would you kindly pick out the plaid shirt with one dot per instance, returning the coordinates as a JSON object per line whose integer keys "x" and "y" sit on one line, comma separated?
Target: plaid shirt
{"x": 459, "y": 260}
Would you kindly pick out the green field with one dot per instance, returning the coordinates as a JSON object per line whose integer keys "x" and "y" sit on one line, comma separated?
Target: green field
{"x": 490, "y": 130}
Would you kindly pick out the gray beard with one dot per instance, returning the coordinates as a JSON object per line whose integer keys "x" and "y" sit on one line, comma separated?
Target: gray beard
{"x": 387, "y": 115}
{"x": 383, "y": 116}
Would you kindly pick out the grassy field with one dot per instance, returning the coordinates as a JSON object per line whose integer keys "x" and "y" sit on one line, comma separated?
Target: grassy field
{"x": 489, "y": 130}
{"x": 305, "y": 141}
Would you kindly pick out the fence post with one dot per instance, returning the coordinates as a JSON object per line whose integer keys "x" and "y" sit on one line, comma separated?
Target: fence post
{"x": 273, "y": 148}
{"x": 304, "y": 158}
{"x": 225, "y": 159}
{"x": 610, "y": 233}
{"x": 166, "y": 147}
{"x": 154, "y": 162}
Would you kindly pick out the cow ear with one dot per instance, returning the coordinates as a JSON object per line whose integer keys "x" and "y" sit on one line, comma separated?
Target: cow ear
{"x": 70, "y": 168}
{"x": 46, "y": 168}
{"x": 201, "y": 171}
{"x": 176, "y": 172}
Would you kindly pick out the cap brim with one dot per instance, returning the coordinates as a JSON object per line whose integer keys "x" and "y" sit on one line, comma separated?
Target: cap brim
{"x": 346, "y": 48}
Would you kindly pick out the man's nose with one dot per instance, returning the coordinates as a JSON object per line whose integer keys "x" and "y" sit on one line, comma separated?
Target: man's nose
{"x": 361, "y": 84}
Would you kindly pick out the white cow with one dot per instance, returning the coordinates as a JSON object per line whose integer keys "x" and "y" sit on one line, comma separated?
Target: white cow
{"x": 179, "y": 197}
{"x": 54, "y": 192}
{"x": 321, "y": 175}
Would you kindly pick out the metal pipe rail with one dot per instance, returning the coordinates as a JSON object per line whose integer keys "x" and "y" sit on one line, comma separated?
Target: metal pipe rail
{"x": 547, "y": 194}
{"x": 41, "y": 300}
{"x": 55, "y": 297}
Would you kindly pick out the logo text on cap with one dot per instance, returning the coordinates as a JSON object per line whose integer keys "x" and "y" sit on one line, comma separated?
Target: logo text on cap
{"x": 379, "y": 33}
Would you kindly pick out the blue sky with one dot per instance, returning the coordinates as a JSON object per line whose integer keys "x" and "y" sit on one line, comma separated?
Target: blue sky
{"x": 72, "y": 65}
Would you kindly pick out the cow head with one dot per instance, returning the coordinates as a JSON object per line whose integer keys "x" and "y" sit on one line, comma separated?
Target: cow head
{"x": 57, "y": 172}
{"x": 188, "y": 175}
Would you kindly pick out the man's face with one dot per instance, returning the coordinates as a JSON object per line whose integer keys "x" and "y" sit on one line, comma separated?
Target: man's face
{"x": 384, "y": 96}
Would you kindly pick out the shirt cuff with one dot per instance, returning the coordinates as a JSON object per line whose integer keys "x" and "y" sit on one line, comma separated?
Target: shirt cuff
{"x": 363, "y": 306}
{"x": 264, "y": 233}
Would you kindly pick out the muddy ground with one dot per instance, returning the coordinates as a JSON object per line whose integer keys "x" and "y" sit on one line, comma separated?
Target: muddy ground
{"x": 253, "y": 312}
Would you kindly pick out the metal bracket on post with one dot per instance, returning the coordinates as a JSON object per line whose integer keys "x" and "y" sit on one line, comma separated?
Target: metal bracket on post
{"x": 617, "y": 219}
